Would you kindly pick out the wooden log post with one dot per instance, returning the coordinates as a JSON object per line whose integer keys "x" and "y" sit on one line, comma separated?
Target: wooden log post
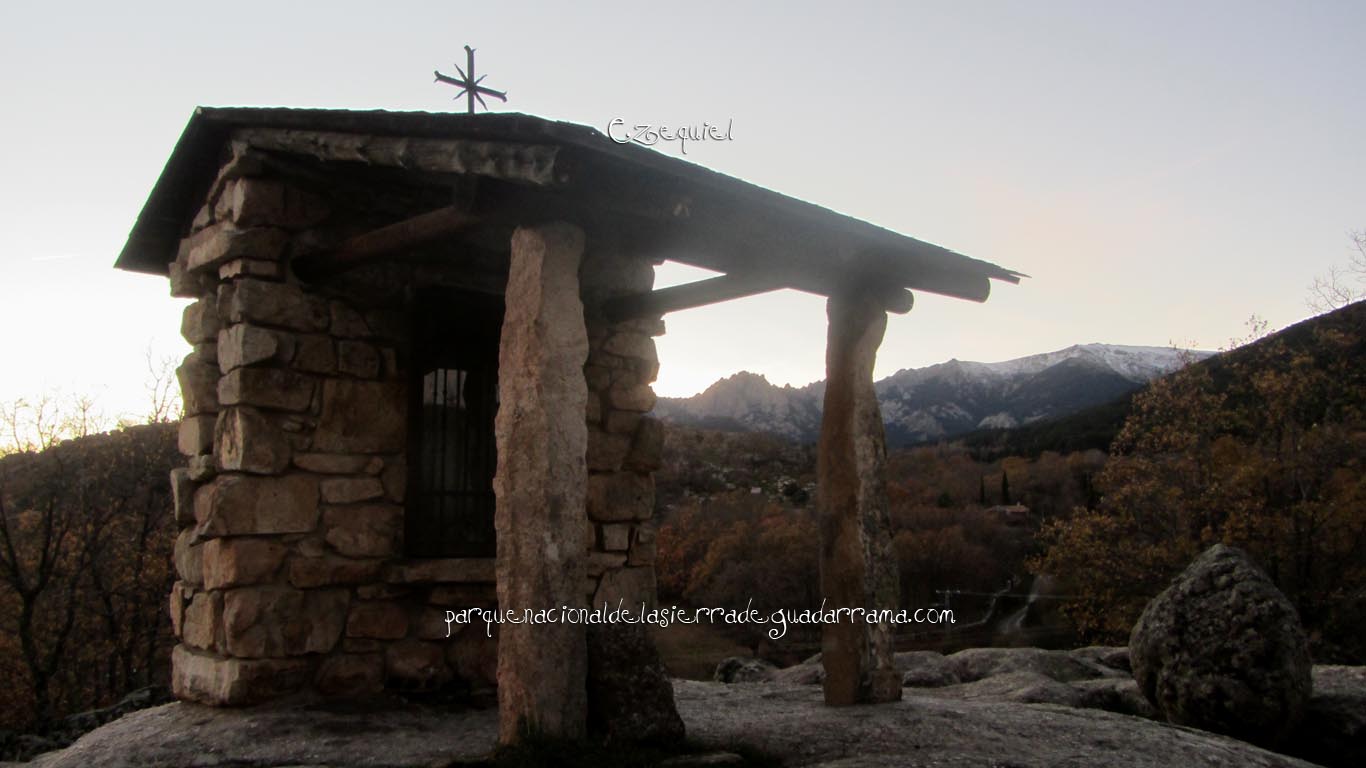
{"x": 541, "y": 486}
{"x": 856, "y": 564}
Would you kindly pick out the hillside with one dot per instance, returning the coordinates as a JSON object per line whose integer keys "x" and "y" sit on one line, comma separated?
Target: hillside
{"x": 1259, "y": 448}
{"x": 1096, "y": 426}
{"x": 1092, "y": 428}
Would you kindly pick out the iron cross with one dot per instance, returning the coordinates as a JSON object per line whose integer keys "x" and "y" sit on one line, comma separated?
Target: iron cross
{"x": 469, "y": 85}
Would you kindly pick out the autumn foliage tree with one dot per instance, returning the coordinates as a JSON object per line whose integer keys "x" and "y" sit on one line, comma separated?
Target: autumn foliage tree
{"x": 939, "y": 549}
{"x": 85, "y": 552}
{"x": 736, "y": 520}
{"x": 1261, "y": 448}
{"x": 730, "y": 549}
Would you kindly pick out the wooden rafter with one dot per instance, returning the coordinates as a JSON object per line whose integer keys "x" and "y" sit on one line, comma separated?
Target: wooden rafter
{"x": 385, "y": 241}
{"x": 714, "y": 290}
{"x": 929, "y": 277}
{"x": 696, "y": 294}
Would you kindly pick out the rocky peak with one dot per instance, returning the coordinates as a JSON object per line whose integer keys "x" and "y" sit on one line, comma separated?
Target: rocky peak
{"x": 941, "y": 400}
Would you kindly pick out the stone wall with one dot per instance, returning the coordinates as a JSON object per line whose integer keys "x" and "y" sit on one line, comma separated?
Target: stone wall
{"x": 624, "y": 443}
{"x": 290, "y": 555}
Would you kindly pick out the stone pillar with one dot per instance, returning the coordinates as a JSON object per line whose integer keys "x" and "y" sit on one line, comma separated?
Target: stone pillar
{"x": 541, "y": 485}
{"x": 857, "y": 569}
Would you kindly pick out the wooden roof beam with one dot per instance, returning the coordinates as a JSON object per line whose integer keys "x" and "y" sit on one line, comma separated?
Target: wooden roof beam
{"x": 661, "y": 301}
{"x": 385, "y": 241}
{"x": 714, "y": 290}
{"x": 959, "y": 286}
{"x": 930, "y": 275}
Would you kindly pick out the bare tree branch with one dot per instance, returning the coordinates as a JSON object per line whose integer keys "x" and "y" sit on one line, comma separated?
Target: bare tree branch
{"x": 1342, "y": 285}
{"x": 163, "y": 392}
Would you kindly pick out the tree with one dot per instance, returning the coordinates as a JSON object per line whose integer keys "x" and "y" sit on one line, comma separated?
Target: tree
{"x": 1261, "y": 448}
{"x": 41, "y": 564}
{"x": 37, "y": 423}
{"x": 1342, "y": 285}
{"x": 163, "y": 390}
{"x": 85, "y": 549}
{"x": 1005, "y": 487}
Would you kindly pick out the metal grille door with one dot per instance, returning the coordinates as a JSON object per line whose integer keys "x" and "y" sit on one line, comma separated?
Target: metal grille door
{"x": 452, "y": 452}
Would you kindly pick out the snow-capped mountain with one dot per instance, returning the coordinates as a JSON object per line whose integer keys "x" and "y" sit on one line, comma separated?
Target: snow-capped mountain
{"x": 941, "y": 400}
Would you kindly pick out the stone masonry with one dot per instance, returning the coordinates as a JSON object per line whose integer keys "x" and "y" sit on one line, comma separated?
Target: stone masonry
{"x": 290, "y": 559}
{"x": 624, "y": 443}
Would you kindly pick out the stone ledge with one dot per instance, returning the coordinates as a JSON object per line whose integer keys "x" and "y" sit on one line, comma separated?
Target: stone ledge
{"x": 453, "y": 570}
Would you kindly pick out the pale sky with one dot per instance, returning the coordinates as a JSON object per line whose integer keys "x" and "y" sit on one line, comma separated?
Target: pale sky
{"x": 1162, "y": 170}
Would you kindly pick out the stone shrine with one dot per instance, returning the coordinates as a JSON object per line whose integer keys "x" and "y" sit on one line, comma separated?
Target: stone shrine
{"x": 423, "y": 350}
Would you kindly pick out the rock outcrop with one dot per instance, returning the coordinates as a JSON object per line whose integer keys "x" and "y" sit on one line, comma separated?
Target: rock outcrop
{"x": 373, "y": 732}
{"x": 975, "y": 664}
{"x": 25, "y": 746}
{"x": 790, "y": 724}
{"x": 927, "y": 669}
{"x": 1087, "y": 678}
{"x": 1332, "y": 733}
{"x": 1222, "y": 649}
{"x": 982, "y": 722}
{"x": 741, "y": 669}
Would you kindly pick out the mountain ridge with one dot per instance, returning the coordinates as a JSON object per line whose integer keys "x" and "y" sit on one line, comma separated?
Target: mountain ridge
{"x": 941, "y": 400}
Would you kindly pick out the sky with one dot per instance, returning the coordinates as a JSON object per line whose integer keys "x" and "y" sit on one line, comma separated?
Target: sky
{"x": 1162, "y": 170}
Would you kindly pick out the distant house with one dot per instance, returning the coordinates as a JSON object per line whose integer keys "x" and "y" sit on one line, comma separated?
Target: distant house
{"x": 1011, "y": 514}
{"x": 423, "y": 350}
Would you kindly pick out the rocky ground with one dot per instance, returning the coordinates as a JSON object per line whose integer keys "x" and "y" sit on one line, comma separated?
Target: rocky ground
{"x": 790, "y": 722}
{"x": 983, "y": 707}
{"x": 986, "y": 686}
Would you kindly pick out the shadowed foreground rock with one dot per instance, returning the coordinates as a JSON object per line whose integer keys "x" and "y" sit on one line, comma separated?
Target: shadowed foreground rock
{"x": 1332, "y": 733}
{"x": 630, "y": 698}
{"x": 1222, "y": 649}
{"x": 788, "y": 722}
{"x": 376, "y": 733}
